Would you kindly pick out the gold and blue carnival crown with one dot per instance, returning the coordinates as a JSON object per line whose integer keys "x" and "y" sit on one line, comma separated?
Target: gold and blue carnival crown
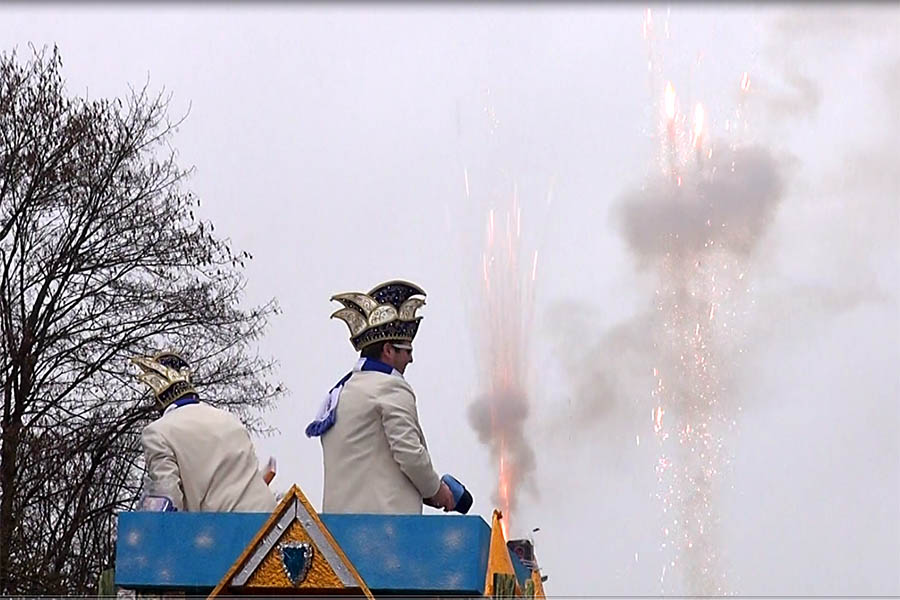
{"x": 167, "y": 374}
{"x": 386, "y": 313}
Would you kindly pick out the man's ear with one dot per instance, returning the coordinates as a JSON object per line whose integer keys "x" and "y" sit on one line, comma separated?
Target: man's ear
{"x": 387, "y": 351}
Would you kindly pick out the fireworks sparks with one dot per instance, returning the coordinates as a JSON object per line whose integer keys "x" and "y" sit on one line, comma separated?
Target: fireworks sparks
{"x": 693, "y": 348}
{"x": 507, "y": 294}
{"x": 647, "y": 24}
{"x": 699, "y": 115}
{"x": 657, "y": 419}
{"x": 506, "y": 332}
{"x": 670, "y": 104}
{"x": 697, "y": 306}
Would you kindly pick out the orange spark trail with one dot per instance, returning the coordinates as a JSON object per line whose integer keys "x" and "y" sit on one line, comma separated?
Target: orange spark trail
{"x": 498, "y": 415}
{"x": 670, "y": 101}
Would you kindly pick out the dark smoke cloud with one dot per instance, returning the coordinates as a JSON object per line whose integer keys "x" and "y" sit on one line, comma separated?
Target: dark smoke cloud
{"x": 729, "y": 208}
{"x": 799, "y": 93}
{"x": 848, "y": 201}
{"x": 612, "y": 371}
{"x": 500, "y": 418}
{"x": 801, "y": 97}
{"x": 611, "y": 376}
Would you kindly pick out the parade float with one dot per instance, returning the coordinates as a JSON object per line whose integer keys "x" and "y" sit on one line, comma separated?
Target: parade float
{"x": 294, "y": 551}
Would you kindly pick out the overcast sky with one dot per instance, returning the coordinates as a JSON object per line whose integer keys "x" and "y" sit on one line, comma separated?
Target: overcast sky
{"x": 331, "y": 143}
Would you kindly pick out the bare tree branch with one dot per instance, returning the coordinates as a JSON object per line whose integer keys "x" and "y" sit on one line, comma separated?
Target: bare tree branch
{"x": 101, "y": 258}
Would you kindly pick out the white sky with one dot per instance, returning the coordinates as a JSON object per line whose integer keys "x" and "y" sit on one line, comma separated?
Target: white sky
{"x": 330, "y": 142}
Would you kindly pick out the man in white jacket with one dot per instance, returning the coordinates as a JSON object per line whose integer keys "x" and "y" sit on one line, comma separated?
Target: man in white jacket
{"x": 375, "y": 455}
{"x": 198, "y": 456}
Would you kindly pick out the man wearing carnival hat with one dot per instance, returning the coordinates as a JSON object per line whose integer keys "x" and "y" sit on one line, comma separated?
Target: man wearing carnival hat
{"x": 198, "y": 458}
{"x": 376, "y": 459}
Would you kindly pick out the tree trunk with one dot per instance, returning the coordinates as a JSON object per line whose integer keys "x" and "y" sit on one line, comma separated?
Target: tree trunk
{"x": 8, "y": 455}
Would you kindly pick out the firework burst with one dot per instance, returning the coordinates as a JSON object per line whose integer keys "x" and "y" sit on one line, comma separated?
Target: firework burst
{"x": 695, "y": 226}
{"x": 508, "y": 273}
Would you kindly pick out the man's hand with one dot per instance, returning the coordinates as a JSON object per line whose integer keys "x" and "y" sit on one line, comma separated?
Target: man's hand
{"x": 443, "y": 498}
{"x": 269, "y": 473}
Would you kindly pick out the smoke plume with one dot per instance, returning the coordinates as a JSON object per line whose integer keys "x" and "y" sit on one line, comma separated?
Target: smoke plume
{"x": 727, "y": 210}
{"x": 499, "y": 414}
{"x": 499, "y": 419}
{"x": 677, "y": 360}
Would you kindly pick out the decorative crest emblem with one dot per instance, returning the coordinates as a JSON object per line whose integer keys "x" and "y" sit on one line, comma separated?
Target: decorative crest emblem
{"x": 281, "y": 555}
{"x": 296, "y": 558}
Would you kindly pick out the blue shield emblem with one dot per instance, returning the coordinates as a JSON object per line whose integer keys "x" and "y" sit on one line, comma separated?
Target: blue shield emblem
{"x": 296, "y": 559}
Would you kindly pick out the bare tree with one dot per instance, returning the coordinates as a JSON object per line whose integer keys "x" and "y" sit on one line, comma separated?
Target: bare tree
{"x": 101, "y": 258}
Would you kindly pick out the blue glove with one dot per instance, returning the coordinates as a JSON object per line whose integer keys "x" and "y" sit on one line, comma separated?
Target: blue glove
{"x": 157, "y": 504}
{"x": 462, "y": 499}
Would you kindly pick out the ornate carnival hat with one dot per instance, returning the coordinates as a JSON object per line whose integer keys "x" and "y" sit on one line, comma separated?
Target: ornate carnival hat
{"x": 386, "y": 313}
{"x": 167, "y": 374}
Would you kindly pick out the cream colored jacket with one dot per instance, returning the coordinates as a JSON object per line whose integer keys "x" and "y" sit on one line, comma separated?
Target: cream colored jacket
{"x": 376, "y": 460}
{"x": 202, "y": 457}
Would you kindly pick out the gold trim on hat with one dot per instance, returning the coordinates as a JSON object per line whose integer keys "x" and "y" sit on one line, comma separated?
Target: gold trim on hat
{"x": 161, "y": 378}
{"x": 408, "y": 309}
{"x": 355, "y": 321}
{"x": 362, "y": 312}
{"x": 363, "y": 301}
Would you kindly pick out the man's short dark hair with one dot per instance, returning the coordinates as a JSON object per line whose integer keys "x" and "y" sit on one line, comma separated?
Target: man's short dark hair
{"x": 373, "y": 351}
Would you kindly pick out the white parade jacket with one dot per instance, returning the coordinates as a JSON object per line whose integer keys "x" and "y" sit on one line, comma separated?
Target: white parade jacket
{"x": 376, "y": 459}
{"x": 205, "y": 461}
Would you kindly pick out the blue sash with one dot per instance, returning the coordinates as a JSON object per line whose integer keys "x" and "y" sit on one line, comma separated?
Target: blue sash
{"x": 184, "y": 400}
{"x": 327, "y": 414}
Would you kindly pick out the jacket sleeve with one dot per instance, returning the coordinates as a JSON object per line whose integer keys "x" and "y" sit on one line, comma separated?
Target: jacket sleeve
{"x": 401, "y": 426}
{"x": 162, "y": 468}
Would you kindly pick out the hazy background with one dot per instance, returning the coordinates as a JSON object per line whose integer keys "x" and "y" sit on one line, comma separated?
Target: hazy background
{"x": 331, "y": 142}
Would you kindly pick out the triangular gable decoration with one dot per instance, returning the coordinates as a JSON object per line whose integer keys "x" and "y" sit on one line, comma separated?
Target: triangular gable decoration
{"x": 500, "y": 579}
{"x": 534, "y": 588}
{"x": 293, "y": 553}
